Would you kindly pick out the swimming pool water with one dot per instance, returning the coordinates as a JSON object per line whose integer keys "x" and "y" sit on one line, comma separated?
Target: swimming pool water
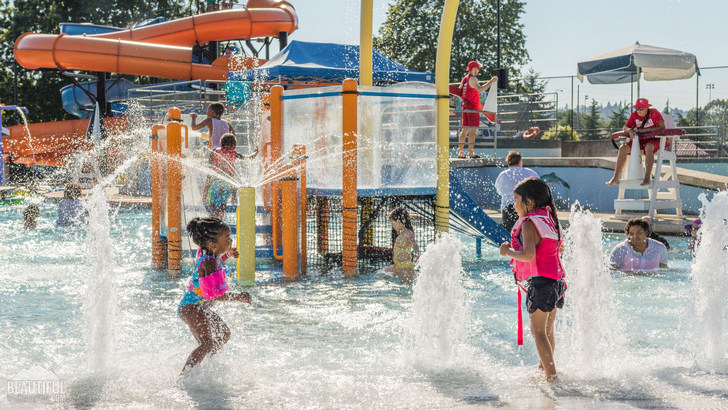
{"x": 329, "y": 342}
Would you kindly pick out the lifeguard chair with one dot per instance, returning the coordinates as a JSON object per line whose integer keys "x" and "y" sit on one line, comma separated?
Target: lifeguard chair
{"x": 663, "y": 192}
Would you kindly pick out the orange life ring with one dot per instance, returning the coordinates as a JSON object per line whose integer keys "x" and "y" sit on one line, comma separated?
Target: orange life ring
{"x": 531, "y": 132}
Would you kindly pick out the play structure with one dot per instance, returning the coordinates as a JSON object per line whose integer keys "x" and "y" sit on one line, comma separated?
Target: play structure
{"x": 663, "y": 192}
{"x": 338, "y": 159}
{"x": 162, "y": 50}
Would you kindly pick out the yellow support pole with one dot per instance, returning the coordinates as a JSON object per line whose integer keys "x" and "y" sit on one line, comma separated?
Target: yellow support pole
{"x": 365, "y": 42}
{"x": 289, "y": 227}
{"x": 246, "y": 236}
{"x": 174, "y": 197}
{"x": 349, "y": 182}
{"x": 442, "y": 74}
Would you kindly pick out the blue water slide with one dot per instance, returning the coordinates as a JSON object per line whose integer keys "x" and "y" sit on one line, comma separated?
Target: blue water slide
{"x": 77, "y": 102}
{"x": 468, "y": 218}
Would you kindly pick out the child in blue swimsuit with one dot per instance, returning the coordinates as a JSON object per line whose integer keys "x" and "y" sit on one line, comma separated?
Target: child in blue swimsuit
{"x": 207, "y": 285}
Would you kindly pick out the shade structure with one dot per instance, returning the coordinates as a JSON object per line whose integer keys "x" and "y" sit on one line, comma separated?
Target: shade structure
{"x": 326, "y": 62}
{"x": 628, "y": 64}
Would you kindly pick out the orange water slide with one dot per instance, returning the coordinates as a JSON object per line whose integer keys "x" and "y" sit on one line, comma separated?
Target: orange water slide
{"x": 51, "y": 141}
{"x": 160, "y": 50}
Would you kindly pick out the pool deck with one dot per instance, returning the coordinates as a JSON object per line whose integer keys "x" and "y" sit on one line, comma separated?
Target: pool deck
{"x": 685, "y": 176}
{"x": 664, "y": 224}
{"x": 112, "y": 196}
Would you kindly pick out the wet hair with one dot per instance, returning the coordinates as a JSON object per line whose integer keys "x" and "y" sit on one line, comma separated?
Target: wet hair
{"x": 217, "y": 108}
{"x": 72, "y": 190}
{"x": 205, "y": 230}
{"x": 539, "y": 192}
{"x": 513, "y": 158}
{"x": 401, "y": 215}
{"x": 31, "y": 212}
{"x": 228, "y": 140}
{"x": 637, "y": 222}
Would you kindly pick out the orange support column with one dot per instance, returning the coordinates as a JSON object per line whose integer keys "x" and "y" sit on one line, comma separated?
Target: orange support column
{"x": 349, "y": 188}
{"x": 290, "y": 227}
{"x": 300, "y": 151}
{"x": 322, "y": 225}
{"x": 276, "y": 142}
{"x": 174, "y": 197}
{"x": 159, "y": 246}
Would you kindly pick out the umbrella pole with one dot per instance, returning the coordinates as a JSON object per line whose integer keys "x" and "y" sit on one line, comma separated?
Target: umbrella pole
{"x": 631, "y": 91}
{"x": 638, "y": 83}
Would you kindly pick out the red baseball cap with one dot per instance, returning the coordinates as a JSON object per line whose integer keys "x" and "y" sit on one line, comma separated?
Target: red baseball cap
{"x": 642, "y": 103}
{"x": 474, "y": 64}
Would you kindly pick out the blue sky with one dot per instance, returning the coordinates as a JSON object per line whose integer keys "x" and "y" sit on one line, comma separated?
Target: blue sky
{"x": 559, "y": 33}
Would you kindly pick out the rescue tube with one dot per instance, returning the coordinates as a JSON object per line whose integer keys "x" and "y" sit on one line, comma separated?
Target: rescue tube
{"x": 531, "y": 132}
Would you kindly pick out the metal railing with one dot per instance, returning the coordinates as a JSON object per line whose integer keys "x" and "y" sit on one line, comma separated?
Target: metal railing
{"x": 705, "y": 141}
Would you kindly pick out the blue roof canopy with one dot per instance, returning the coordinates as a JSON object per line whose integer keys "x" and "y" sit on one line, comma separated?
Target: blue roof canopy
{"x": 326, "y": 62}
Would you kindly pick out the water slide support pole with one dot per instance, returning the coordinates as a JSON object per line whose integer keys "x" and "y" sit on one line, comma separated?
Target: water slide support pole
{"x": 442, "y": 73}
{"x": 349, "y": 182}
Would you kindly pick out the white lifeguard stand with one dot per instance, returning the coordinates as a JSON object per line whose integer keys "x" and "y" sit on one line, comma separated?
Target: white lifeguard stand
{"x": 663, "y": 192}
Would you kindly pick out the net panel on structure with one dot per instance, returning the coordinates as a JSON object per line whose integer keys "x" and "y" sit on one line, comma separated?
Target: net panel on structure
{"x": 375, "y": 235}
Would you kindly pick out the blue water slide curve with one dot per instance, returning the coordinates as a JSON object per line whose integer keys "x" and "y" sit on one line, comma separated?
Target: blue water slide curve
{"x": 467, "y": 217}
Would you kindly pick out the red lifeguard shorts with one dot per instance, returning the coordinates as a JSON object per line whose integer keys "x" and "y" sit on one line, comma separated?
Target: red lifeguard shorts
{"x": 655, "y": 142}
{"x": 471, "y": 119}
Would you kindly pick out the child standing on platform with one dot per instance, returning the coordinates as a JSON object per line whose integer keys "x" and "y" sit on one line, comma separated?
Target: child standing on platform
{"x": 534, "y": 247}
{"x": 207, "y": 285}
{"x": 214, "y": 124}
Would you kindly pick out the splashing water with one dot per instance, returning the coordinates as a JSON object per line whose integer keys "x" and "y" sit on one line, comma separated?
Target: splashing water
{"x": 100, "y": 300}
{"x": 439, "y": 311}
{"x": 710, "y": 282}
{"x": 591, "y": 332}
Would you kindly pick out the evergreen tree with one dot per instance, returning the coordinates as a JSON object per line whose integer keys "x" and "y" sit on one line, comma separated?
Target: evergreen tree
{"x": 409, "y": 35}
{"x": 591, "y": 122}
{"x": 619, "y": 117}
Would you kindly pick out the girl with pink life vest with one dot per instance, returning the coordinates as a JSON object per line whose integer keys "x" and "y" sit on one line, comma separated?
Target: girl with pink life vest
{"x": 207, "y": 286}
{"x": 534, "y": 248}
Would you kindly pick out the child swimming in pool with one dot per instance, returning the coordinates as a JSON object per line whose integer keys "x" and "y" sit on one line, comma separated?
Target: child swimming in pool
{"x": 534, "y": 247}
{"x": 207, "y": 285}
{"x": 405, "y": 250}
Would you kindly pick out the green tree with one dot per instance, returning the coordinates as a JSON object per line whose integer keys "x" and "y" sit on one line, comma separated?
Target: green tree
{"x": 619, "y": 117}
{"x": 591, "y": 122}
{"x": 40, "y": 90}
{"x": 715, "y": 113}
{"x": 409, "y": 35}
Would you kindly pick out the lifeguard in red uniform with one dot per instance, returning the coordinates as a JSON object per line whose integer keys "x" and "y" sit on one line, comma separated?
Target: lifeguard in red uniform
{"x": 471, "y": 90}
{"x": 642, "y": 121}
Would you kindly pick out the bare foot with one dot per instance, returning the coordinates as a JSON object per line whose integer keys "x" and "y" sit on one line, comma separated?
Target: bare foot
{"x": 613, "y": 181}
{"x": 553, "y": 379}
{"x": 645, "y": 182}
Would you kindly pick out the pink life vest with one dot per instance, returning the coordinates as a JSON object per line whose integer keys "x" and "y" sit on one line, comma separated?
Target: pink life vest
{"x": 547, "y": 262}
{"x": 471, "y": 97}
